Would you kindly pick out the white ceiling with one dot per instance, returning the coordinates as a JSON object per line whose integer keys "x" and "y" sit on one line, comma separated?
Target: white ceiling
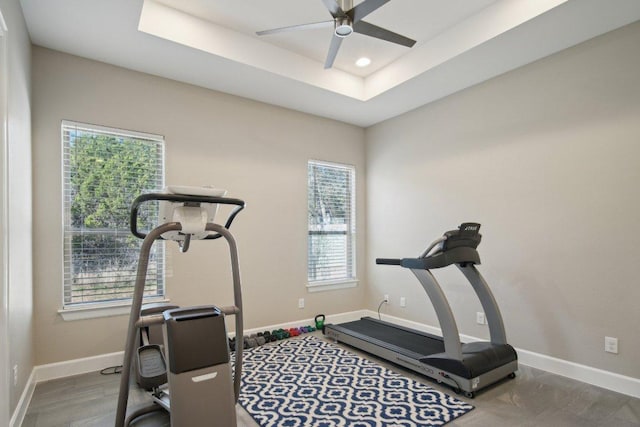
{"x": 417, "y": 19}
{"x": 212, "y": 43}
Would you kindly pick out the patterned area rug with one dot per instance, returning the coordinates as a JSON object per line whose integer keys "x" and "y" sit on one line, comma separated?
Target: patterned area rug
{"x": 308, "y": 382}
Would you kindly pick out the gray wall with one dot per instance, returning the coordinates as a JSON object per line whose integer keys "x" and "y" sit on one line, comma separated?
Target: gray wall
{"x": 547, "y": 158}
{"x": 19, "y": 231}
{"x": 257, "y": 152}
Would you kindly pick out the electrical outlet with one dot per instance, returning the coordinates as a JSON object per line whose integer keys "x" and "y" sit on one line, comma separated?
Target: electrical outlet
{"x": 386, "y": 298}
{"x": 480, "y": 318}
{"x": 403, "y": 302}
{"x": 15, "y": 375}
{"x": 301, "y": 303}
{"x": 611, "y": 345}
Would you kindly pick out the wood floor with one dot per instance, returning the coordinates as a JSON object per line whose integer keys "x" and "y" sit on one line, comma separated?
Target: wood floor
{"x": 533, "y": 398}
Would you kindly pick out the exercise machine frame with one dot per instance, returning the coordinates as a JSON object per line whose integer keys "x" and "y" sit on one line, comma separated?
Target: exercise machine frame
{"x": 137, "y": 321}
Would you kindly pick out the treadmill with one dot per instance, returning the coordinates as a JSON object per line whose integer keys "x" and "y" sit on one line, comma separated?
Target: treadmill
{"x": 465, "y": 367}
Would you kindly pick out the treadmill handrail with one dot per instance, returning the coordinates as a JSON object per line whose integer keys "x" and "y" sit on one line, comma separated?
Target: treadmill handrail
{"x": 459, "y": 255}
{"x": 433, "y": 244}
{"x": 424, "y": 254}
{"x": 389, "y": 261}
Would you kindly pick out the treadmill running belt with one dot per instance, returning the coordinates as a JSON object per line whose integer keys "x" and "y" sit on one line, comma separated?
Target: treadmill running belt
{"x": 403, "y": 338}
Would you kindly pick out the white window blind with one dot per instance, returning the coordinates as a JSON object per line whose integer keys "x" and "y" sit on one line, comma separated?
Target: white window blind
{"x": 104, "y": 170}
{"x": 331, "y": 218}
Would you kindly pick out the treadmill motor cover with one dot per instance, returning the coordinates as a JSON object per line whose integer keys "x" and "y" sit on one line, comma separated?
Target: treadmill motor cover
{"x": 477, "y": 358}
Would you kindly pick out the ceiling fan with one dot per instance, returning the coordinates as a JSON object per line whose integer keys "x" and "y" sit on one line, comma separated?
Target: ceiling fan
{"x": 345, "y": 23}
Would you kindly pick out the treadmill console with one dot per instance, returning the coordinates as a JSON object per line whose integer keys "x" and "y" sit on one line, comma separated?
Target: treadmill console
{"x": 467, "y": 235}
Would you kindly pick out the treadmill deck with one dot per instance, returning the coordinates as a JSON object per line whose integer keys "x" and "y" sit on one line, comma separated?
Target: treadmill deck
{"x": 412, "y": 343}
{"x": 483, "y": 363}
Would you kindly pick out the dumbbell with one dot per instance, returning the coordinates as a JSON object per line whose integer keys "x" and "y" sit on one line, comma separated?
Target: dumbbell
{"x": 267, "y": 336}
{"x": 250, "y": 342}
{"x": 259, "y": 339}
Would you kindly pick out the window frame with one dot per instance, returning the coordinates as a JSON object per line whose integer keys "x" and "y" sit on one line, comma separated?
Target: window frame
{"x": 351, "y": 232}
{"x": 91, "y": 309}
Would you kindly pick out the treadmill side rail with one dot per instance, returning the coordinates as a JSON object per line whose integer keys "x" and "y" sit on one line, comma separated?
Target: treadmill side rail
{"x": 488, "y": 301}
{"x": 452, "y": 345}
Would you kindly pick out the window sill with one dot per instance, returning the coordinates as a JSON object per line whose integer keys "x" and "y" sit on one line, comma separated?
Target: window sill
{"x": 94, "y": 312}
{"x": 331, "y": 285}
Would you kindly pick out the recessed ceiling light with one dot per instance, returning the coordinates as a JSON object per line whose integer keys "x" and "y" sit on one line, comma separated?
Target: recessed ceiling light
{"x": 363, "y": 62}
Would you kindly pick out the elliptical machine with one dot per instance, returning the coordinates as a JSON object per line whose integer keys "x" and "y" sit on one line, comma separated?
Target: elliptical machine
{"x": 192, "y": 378}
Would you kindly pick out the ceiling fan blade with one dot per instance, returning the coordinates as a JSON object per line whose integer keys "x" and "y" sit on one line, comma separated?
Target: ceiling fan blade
{"x": 333, "y": 51}
{"x": 334, "y": 8}
{"x": 371, "y": 30}
{"x": 365, "y": 8}
{"x": 311, "y": 26}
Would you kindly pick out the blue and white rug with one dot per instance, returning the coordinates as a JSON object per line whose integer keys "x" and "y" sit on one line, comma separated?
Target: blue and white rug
{"x": 308, "y": 382}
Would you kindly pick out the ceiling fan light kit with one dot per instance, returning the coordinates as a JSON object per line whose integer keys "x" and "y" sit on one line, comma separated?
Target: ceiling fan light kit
{"x": 346, "y": 21}
{"x": 343, "y": 27}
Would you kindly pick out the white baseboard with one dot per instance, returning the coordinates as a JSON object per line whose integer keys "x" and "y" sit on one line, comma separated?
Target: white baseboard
{"x": 587, "y": 374}
{"x": 597, "y": 377}
{"x": 84, "y": 365}
{"x": 69, "y": 368}
{"x": 23, "y": 404}
{"x": 332, "y": 318}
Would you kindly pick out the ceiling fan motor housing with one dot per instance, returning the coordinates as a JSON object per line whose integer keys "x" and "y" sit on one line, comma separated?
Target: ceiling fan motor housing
{"x": 343, "y": 26}
{"x": 346, "y": 4}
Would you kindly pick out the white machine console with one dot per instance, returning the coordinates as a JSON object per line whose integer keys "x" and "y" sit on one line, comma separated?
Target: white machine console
{"x": 194, "y": 216}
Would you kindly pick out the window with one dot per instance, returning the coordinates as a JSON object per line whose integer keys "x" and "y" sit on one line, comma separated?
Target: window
{"x": 331, "y": 218}
{"x": 104, "y": 170}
